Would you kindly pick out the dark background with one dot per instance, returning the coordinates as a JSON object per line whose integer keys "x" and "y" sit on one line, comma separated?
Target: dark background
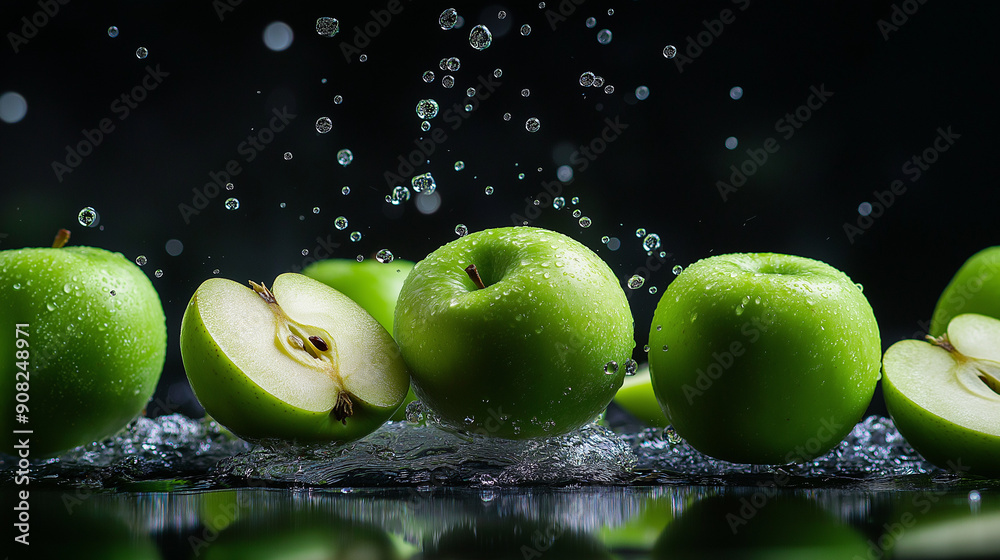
{"x": 892, "y": 89}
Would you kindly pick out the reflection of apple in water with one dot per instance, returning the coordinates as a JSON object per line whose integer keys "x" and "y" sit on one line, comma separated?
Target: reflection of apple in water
{"x": 513, "y": 538}
{"x": 373, "y": 285}
{"x": 515, "y": 332}
{"x": 943, "y": 394}
{"x": 300, "y": 361}
{"x": 89, "y": 350}
{"x": 763, "y": 358}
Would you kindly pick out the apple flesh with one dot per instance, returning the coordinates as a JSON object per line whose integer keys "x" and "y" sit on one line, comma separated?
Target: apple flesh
{"x": 942, "y": 394}
{"x": 515, "y": 332}
{"x": 763, "y": 358}
{"x": 300, "y": 361}
{"x": 975, "y": 288}
{"x": 93, "y": 351}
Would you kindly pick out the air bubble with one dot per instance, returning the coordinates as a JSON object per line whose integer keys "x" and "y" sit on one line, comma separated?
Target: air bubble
{"x": 315, "y": 209}
{"x": 641, "y": 232}
{"x": 525, "y": 92}
{"x": 636, "y": 282}
{"x": 448, "y": 19}
{"x": 158, "y": 273}
{"x": 230, "y": 186}
{"x": 345, "y": 191}
{"x": 400, "y": 194}
{"x": 363, "y": 58}
{"x": 448, "y": 81}
{"x": 651, "y": 242}
{"x": 345, "y": 157}
{"x": 736, "y": 92}
{"x": 605, "y": 239}
{"x": 324, "y": 125}
{"x": 558, "y": 202}
{"x": 488, "y": 190}
{"x": 604, "y": 36}
{"x": 425, "y": 126}
{"x": 609, "y": 89}
{"x": 480, "y": 37}
{"x": 471, "y": 92}
{"x": 338, "y": 99}
{"x": 427, "y": 108}
{"x": 327, "y": 26}
{"x": 652, "y": 289}
{"x": 591, "y": 22}
{"x": 497, "y": 73}
{"x": 112, "y": 32}
{"x": 501, "y": 14}
{"x": 506, "y": 116}
{"x": 577, "y": 213}
{"x": 423, "y": 184}
{"x": 452, "y": 64}
{"x": 428, "y": 76}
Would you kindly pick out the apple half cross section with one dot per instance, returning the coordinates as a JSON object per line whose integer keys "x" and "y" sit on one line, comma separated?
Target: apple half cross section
{"x": 300, "y": 361}
{"x": 943, "y": 394}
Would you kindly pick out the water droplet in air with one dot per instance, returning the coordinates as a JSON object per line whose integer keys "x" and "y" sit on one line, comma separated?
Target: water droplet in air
{"x": 652, "y": 289}
{"x": 355, "y": 237}
{"x": 305, "y": 252}
{"x": 345, "y": 191}
{"x": 605, "y": 239}
{"x": 585, "y": 222}
{"x": 609, "y": 89}
{"x": 651, "y": 242}
{"x": 448, "y": 81}
{"x": 452, "y": 64}
{"x": 400, "y": 194}
{"x": 461, "y": 230}
{"x": 327, "y": 26}
{"x": 345, "y": 157}
{"x": 384, "y": 256}
{"x": 677, "y": 269}
{"x": 591, "y": 22}
{"x": 340, "y": 222}
{"x": 459, "y": 165}
{"x": 525, "y": 30}
{"x": 338, "y": 99}
{"x": 631, "y": 367}
{"x": 488, "y": 190}
{"x": 471, "y": 92}
{"x": 480, "y": 37}
{"x": 425, "y": 126}
{"x": 158, "y": 273}
{"x": 736, "y": 92}
{"x": 428, "y": 76}
{"x": 232, "y": 203}
{"x": 359, "y": 258}
{"x": 611, "y": 367}
{"x": 497, "y": 73}
{"x": 577, "y": 213}
{"x": 112, "y": 32}
{"x": 423, "y": 184}
{"x": 641, "y": 232}
{"x": 587, "y": 79}
{"x": 315, "y": 209}
{"x": 141, "y": 53}
{"x": 427, "y": 108}
{"x": 324, "y": 125}
{"x": 287, "y": 156}
{"x": 501, "y": 14}
{"x": 669, "y": 51}
{"x": 525, "y": 92}
{"x": 140, "y": 260}
{"x": 230, "y": 186}
{"x": 506, "y": 116}
{"x": 448, "y": 18}
{"x": 88, "y": 217}
{"x": 604, "y": 36}
{"x": 532, "y": 124}
{"x": 363, "y": 58}
{"x": 636, "y": 282}
{"x": 558, "y": 202}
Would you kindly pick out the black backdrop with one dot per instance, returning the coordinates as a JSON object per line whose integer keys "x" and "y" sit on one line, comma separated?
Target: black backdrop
{"x": 892, "y": 77}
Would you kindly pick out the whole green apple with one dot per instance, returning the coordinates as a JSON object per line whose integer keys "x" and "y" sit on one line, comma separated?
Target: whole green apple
{"x": 763, "y": 358}
{"x": 515, "y": 332}
{"x": 975, "y": 288}
{"x": 943, "y": 394}
{"x": 300, "y": 361}
{"x": 86, "y": 342}
{"x": 373, "y": 285}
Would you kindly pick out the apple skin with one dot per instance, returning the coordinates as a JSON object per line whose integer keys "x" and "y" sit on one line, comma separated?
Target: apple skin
{"x": 638, "y": 398}
{"x": 524, "y": 356}
{"x": 373, "y": 285}
{"x": 975, "y": 288}
{"x": 94, "y": 358}
{"x": 251, "y": 412}
{"x": 763, "y": 358}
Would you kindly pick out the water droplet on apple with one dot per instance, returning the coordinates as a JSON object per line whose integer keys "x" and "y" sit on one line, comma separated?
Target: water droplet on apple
{"x": 384, "y": 256}
{"x": 67, "y": 287}
{"x": 694, "y": 316}
{"x": 739, "y": 310}
{"x": 112, "y": 292}
{"x": 677, "y": 269}
{"x": 860, "y": 287}
{"x": 636, "y": 282}
{"x": 645, "y": 348}
{"x": 611, "y": 367}
{"x": 665, "y": 348}
{"x": 50, "y": 306}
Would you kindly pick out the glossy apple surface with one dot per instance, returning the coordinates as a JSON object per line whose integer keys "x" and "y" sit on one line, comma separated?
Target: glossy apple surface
{"x": 763, "y": 358}
{"x": 942, "y": 394}
{"x": 975, "y": 288}
{"x": 373, "y": 285}
{"x": 94, "y": 350}
{"x": 540, "y": 349}
{"x": 300, "y": 361}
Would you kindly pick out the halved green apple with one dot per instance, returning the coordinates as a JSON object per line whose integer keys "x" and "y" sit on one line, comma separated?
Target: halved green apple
{"x": 943, "y": 394}
{"x": 300, "y": 361}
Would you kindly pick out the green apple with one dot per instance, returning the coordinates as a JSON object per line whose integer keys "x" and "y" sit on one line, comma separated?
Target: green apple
{"x": 86, "y": 342}
{"x": 373, "y": 285}
{"x": 515, "y": 332}
{"x": 300, "y": 361}
{"x": 763, "y": 358}
{"x": 637, "y": 397}
{"x": 975, "y": 288}
{"x": 942, "y": 394}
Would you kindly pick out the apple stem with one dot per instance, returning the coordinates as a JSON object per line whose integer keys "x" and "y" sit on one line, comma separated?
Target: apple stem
{"x": 263, "y": 292}
{"x": 473, "y": 273}
{"x": 62, "y": 238}
{"x": 344, "y": 407}
{"x": 941, "y": 341}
